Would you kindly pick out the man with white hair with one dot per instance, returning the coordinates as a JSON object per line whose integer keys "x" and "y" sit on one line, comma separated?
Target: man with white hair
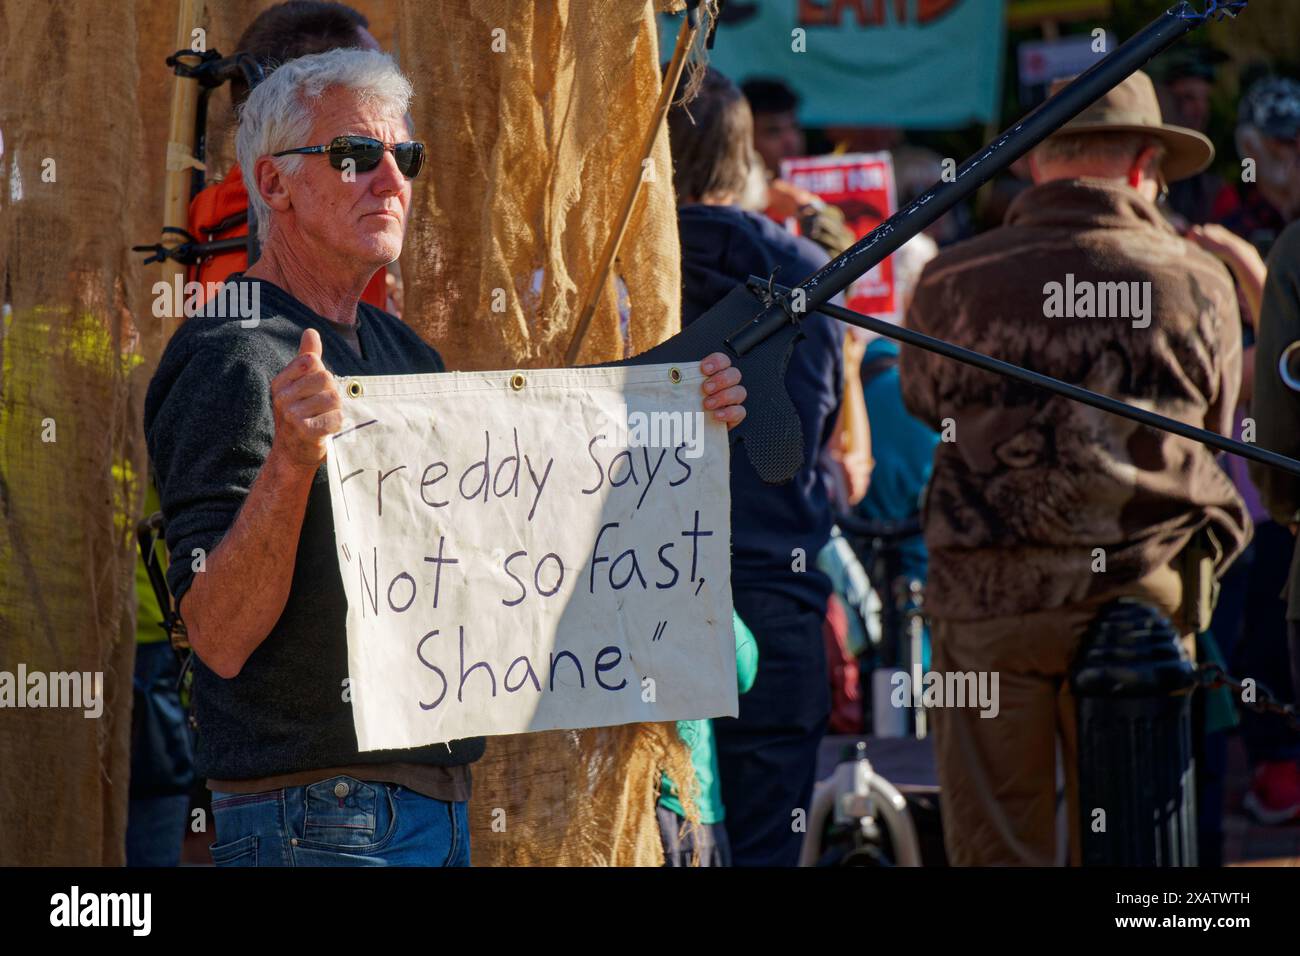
{"x": 237, "y": 417}
{"x": 1268, "y": 134}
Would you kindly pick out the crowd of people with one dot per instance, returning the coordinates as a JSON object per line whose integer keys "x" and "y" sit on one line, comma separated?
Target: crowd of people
{"x": 1035, "y": 511}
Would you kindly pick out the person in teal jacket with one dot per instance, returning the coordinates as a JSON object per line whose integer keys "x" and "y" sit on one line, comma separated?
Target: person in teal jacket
{"x": 710, "y": 836}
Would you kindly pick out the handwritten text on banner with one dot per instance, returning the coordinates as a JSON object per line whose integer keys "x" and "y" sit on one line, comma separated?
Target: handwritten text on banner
{"x": 530, "y": 551}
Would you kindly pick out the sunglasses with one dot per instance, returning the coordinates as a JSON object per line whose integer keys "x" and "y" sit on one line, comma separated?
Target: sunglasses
{"x": 367, "y": 153}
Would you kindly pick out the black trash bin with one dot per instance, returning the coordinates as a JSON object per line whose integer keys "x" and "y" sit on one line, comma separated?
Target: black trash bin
{"x": 1133, "y": 683}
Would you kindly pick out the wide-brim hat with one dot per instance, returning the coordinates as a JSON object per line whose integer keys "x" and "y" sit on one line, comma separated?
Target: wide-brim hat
{"x": 1132, "y": 107}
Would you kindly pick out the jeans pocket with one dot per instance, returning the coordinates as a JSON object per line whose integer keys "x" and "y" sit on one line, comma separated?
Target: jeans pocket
{"x": 236, "y": 853}
{"x": 435, "y": 831}
{"x": 345, "y": 812}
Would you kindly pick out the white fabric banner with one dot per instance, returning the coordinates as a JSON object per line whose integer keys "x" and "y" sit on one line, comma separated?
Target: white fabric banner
{"x": 532, "y": 550}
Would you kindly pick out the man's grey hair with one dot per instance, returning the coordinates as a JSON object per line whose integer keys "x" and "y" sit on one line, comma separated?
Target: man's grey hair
{"x": 279, "y": 112}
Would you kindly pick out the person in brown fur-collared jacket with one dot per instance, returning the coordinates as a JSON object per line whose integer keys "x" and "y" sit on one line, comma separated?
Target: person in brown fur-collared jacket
{"x": 1040, "y": 510}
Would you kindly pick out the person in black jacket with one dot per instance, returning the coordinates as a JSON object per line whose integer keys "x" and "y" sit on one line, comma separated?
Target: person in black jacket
{"x": 767, "y": 755}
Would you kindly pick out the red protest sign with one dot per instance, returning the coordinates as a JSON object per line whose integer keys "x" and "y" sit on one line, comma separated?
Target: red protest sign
{"x": 862, "y": 186}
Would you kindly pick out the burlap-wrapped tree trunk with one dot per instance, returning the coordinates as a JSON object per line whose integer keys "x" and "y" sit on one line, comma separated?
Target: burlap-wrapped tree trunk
{"x": 69, "y": 458}
{"x": 84, "y": 94}
{"x": 534, "y": 112}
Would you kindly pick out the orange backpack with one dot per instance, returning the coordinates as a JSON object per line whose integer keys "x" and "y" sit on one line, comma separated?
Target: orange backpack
{"x": 220, "y": 211}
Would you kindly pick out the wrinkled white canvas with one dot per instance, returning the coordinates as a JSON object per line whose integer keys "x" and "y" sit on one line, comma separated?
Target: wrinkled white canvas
{"x": 406, "y": 489}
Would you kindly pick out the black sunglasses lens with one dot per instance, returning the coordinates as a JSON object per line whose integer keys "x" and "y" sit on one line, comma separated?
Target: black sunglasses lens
{"x": 364, "y": 152}
{"x": 410, "y": 158}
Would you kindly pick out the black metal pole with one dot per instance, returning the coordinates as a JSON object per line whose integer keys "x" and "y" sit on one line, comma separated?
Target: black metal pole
{"x": 1038, "y": 379}
{"x": 891, "y": 234}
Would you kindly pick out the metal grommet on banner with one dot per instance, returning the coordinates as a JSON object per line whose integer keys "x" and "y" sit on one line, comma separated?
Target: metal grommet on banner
{"x": 675, "y": 375}
{"x": 355, "y": 388}
{"x": 517, "y": 381}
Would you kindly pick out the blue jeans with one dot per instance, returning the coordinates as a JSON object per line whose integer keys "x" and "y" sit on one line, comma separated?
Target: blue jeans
{"x": 679, "y": 849}
{"x": 340, "y": 821}
{"x": 155, "y": 830}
